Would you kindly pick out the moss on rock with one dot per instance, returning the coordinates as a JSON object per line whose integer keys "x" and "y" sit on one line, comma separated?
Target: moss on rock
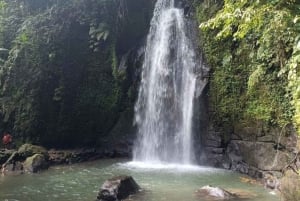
{"x": 27, "y": 150}
{"x": 35, "y": 163}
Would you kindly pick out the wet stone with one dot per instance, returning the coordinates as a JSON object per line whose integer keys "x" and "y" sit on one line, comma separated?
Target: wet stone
{"x": 117, "y": 189}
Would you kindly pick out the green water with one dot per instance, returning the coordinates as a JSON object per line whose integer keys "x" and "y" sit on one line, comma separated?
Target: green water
{"x": 81, "y": 182}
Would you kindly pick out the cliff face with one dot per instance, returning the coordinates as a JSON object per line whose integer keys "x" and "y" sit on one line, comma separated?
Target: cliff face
{"x": 252, "y": 148}
{"x": 69, "y": 69}
{"x": 250, "y": 101}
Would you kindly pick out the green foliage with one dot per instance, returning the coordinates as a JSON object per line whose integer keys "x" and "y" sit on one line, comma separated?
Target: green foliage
{"x": 257, "y": 41}
{"x": 293, "y": 70}
{"x": 97, "y": 35}
{"x": 2, "y": 5}
{"x": 60, "y": 78}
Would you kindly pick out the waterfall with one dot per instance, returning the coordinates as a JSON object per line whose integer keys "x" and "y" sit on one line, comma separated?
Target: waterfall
{"x": 164, "y": 109}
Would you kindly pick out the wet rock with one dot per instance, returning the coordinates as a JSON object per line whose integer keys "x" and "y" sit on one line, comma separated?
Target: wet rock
{"x": 58, "y": 157}
{"x": 225, "y": 164}
{"x": 74, "y": 156}
{"x": 233, "y": 152}
{"x": 217, "y": 150}
{"x": 271, "y": 181}
{"x": 27, "y": 150}
{"x": 216, "y": 160}
{"x": 255, "y": 173}
{"x": 117, "y": 189}
{"x": 121, "y": 149}
{"x": 240, "y": 167}
{"x": 213, "y": 140}
{"x": 35, "y": 163}
{"x": 215, "y": 157}
{"x": 80, "y": 155}
{"x": 215, "y": 193}
{"x": 212, "y": 143}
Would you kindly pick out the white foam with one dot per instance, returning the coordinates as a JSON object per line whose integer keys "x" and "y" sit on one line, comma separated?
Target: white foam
{"x": 167, "y": 166}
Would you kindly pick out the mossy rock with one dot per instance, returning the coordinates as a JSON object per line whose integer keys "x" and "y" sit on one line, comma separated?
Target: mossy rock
{"x": 27, "y": 150}
{"x": 35, "y": 163}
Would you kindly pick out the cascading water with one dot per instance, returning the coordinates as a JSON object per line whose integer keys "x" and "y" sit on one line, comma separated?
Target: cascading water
{"x": 164, "y": 109}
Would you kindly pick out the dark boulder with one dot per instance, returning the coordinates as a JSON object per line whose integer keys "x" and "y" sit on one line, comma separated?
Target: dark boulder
{"x": 117, "y": 188}
{"x": 57, "y": 157}
{"x": 213, "y": 140}
{"x": 74, "y": 156}
{"x": 121, "y": 149}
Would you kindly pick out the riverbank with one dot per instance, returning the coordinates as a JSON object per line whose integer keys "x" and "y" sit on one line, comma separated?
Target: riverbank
{"x": 32, "y": 158}
{"x": 81, "y": 182}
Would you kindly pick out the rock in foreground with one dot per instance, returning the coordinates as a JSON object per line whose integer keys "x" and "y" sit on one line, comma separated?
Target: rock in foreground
{"x": 117, "y": 189}
{"x": 35, "y": 163}
{"x": 29, "y": 158}
{"x": 215, "y": 193}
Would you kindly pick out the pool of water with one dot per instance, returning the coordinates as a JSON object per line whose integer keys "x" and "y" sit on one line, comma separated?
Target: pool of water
{"x": 81, "y": 182}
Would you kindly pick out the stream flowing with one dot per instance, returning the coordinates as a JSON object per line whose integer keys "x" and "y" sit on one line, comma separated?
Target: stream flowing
{"x": 81, "y": 182}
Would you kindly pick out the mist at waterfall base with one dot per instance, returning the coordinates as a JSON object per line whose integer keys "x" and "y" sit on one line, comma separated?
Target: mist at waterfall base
{"x": 165, "y": 105}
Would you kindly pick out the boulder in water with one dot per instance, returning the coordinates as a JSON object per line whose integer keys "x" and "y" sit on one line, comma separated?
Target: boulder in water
{"x": 271, "y": 181}
{"x": 12, "y": 165}
{"x": 35, "y": 163}
{"x": 215, "y": 193}
{"x": 36, "y": 160}
{"x": 117, "y": 188}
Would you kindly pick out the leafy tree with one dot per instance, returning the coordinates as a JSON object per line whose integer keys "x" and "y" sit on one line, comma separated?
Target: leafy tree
{"x": 251, "y": 78}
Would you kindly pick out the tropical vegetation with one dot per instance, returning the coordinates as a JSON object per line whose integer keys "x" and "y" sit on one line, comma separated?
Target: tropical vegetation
{"x": 60, "y": 82}
{"x": 253, "y": 47}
